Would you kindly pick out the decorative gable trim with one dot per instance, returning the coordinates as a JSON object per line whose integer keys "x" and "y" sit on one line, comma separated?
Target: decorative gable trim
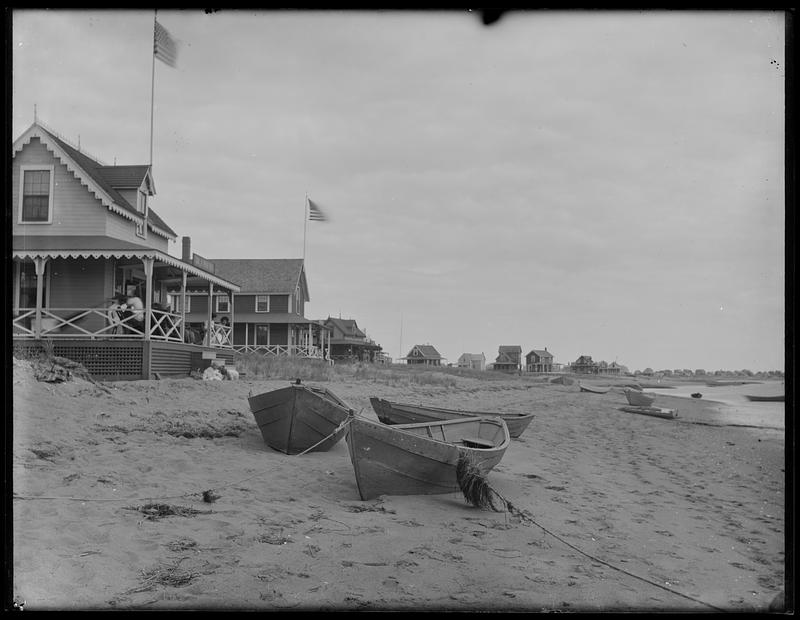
{"x": 34, "y": 131}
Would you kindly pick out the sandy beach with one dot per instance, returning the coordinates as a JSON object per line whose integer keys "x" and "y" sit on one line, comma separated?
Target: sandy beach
{"x": 626, "y": 512}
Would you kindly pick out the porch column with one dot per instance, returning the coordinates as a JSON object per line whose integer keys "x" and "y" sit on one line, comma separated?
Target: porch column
{"x": 310, "y": 339}
{"x": 207, "y": 339}
{"x": 231, "y": 294}
{"x": 183, "y": 306}
{"x": 39, "y": 263}
{"x": 148, "y": 295}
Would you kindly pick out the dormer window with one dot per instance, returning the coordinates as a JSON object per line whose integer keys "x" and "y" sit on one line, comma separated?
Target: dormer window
{"x": 36, "y": 195}
{"x": 141, "y": 202}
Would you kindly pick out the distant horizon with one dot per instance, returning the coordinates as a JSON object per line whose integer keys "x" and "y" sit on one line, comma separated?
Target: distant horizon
{"x": 605, "y": 183}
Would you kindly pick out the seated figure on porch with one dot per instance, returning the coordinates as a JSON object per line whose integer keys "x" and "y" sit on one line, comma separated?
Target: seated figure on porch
{"x": 135, "y": 311}
{"x": 115, "y": 313}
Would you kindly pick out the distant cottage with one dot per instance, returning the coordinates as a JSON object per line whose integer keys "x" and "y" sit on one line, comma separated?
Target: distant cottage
{"x": 539, "y": 361}
{"x": 348, "y": 342}
{"x": 424, "y": 354}
{"x": 509, "y": 358}
{"x": 475, "y": 361}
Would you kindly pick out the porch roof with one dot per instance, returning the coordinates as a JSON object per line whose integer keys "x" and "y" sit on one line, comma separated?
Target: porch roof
{"x": 282, "y": 317}
{"x": 93, "y": 246}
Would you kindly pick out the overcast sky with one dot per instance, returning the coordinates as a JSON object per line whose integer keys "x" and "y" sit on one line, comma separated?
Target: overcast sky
{"x": 599, "y": 183}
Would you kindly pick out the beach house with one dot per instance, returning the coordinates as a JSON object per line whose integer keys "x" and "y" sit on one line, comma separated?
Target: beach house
{"x": 538, "y": 360}
{"x": 84, "y": 232}
{"x": 475, "y": 361}
{"x": 509, "y": 358}
{"x": 349, "y": 342}
{"x": 266, "y": 313}
{"x": 424, "y": 354}
{"x": 584, "y": 365}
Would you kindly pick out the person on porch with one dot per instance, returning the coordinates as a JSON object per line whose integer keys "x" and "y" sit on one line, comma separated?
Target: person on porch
{"x": 135, "y": 309}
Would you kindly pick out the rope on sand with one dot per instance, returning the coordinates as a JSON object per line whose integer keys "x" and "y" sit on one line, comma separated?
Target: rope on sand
{"x": 478, "y": 492}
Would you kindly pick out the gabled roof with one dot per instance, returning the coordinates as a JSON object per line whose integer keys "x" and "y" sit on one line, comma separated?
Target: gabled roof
{"x": 274, "y": 276}
{"x": 427, "y": 351}
{"x": 473, "y": 356}
{"x": 539, "y": 352}
{"x": 100, "y": 179}
{"x": 508, "y": 348}
{"x": 347, "y": 326}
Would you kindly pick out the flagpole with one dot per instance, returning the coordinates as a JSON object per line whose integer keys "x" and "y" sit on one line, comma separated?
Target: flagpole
{"x": 152, "y": 87}
{"x": 305, "y": 226}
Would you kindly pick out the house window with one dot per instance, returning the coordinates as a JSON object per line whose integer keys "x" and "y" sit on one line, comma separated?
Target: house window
{"x": 175, "y": 303}
{"x": 223, "y": 303}
{"x": 140, "y": 230}
{"x": 27, "y": 285}
{"x": 141, "y": 202}
{"x": 262, "y": 303}
{"x": 262, "y": 335}
{"x": 36, "y": 195}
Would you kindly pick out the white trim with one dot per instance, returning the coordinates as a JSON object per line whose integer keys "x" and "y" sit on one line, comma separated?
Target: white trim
{"x": 154, "y": 254}
{"x": 33, "y": 168}
{"x": 34, "y": 131}
{"x": 256, "y": 304}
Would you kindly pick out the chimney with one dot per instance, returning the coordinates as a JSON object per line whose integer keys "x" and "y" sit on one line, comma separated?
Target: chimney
{"x": 187, "y": 249}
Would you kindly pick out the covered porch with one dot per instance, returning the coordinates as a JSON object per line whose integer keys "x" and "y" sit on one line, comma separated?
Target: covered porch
{"x": 63, "y": 291}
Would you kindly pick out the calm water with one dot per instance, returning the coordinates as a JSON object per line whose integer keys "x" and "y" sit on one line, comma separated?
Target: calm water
{"x": 738, "y": 410}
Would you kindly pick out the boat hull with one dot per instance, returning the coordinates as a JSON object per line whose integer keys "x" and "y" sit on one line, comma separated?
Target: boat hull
{"x": 658, "y": 412}
{"x": 298, "y": 418}
{"x": 593, "y": 388}
{"x": 780, "y": 398}
{"x": 420, "y": 459}
{"x": 403, "y": 413}
{"x": 639, "y": 399}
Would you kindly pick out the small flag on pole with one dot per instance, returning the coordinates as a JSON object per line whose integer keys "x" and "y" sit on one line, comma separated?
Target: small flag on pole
{"x": 164, "y": 47}
{"x": 315, "y": 213}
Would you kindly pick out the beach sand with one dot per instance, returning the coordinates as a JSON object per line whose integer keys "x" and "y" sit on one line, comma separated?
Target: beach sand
{"x": 629, "y": 512}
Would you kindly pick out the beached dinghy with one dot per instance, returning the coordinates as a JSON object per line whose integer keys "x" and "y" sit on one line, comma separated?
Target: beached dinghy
{"x": 421, "y": 458}
{"x": 594, "y": 389}
{"x": 659, "y": 412}
{"x": 404, "y": 413}
{"x": 778, "y": 398}
{"x": 297, "y": 417}
{"x": 639, "y": 399}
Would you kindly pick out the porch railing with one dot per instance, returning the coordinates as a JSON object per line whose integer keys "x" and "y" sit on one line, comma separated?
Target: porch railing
{"x": 96, "y": 323}
{"x": 281, "y": 349}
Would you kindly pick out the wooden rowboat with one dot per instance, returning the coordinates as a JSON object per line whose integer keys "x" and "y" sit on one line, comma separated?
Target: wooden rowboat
{"x": 778, "y": 398}
{"x": 297, "y": 417}
{"x": 403, "y": 413}
{"x": 595, "y": 389}
{"x": 421, "y": 458}
{"x": 639, "y": 399}
{"x": 659, "y": 412}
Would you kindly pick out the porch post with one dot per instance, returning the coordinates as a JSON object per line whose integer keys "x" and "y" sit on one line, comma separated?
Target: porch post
{"x": 232, "y": 315}
{"x": 183, "y": 306}
{"x": 207, "y": 339}
{"x": 148, "y": 295}
{"x": 39, "y": 263}
{"x": 310, "y": 339}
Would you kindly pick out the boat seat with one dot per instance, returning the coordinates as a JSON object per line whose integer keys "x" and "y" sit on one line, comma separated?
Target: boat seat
{"x": 476, "y": 442}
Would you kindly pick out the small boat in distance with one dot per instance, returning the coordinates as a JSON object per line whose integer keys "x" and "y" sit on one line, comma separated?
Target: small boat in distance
{"x": 595, "y": 389}
{"x": 697, "y": 395}
{"x": 658, "y": 412}
{"x": 422, "y": 458}
{"x": 298, "y": 418}
{"x": 777, "y": 398}
{"x": 403, "y": 413}
{"x": 639, "y": 399}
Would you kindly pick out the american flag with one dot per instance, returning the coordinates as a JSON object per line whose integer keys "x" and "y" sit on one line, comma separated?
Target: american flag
{"x": 164, "y": 47}
{"x": 315, "y": 213}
